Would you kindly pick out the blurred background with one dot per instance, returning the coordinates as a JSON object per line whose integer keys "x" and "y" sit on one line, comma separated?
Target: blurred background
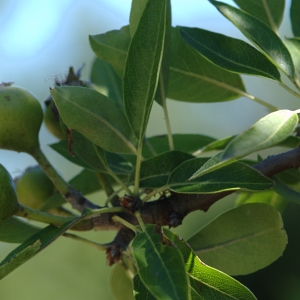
{"x": 39, "y": 41}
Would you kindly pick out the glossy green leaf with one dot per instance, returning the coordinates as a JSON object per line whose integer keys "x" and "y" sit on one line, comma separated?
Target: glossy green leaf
{"x": 104, "y": 76}
{"x": 15, "y": 230}
{"x": 194, "y": 79}
{"x": 143, "y": 64}
{"x": 120, "y": 284}
{"x": 185, "y": 142}
{"x": 229, "y": 53}
{"x": 137, "y": 9}
{"x": 242, "y": 240}
{"x": 294, "y": 15}
{"x": 31, "y": 247}
{"x": 112, "y": 47}
{"x": 267, "y": 132}
{"x": 96, "y": 117}
{"x": 160, "y": 265}
{"x": 155, "y": 171}
{"x": 294, "y": 47}
{"x": 260, "y": 35}
{"x": 207, "y": 282}
{"x": 140, "y": 291}
{"x": 267, "y": 197}
{"x": 285, "y": 191}
{"x": 268, "y": 11}
{"x": 235, "y": 176}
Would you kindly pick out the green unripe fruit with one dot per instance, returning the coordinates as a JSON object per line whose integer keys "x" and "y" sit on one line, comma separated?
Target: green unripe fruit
{"x": 21, "y": 116}
{"x": 34, "y": 187}
{"x": 8, "y": 196}
{"x": 52, "y": 121}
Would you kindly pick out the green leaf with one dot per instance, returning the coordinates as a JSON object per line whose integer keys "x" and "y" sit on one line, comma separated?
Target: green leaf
{"x": 96, "y": 117}
{"x": 185, "y": 142}
{"x": 143, "y": 64}
{"x": 294, "y": 15}
{"x": 194, "y": 79}
{"x": 235, "y": 176}
{"x": 267, "y": 132}
{"x": 104, "y": 76}
{"x": 229, "y": 53}
{"x": 294, "y": 47}
{"x": 268, "y": 11}
{"x": 261, "y": 36}
{"x": 242, "y": 240}
{"x": 140, "y": 291}
{"x": 207, "y": 282}
{"x": 120, "y": 284}
{"x": 15, "y": 230}
{"x": 112, "y": 47}
{"x": 155, "y": 171}
{"x": 283, "y": 190}
{"x": 267, "y": 197}
{"x": 160, "y": 265}
{"x": 91, "y": 154}
{"x": 136, "y": 11}
{"x": 217, "y": 144}
{"x": 31, "y": 247}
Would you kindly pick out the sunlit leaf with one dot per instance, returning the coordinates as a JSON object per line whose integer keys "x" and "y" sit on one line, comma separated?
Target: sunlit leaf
{"x": 294, "y": 47}
{"x": 120, "y": 284}
{"x": 207, "y": 282}
{"x": 268, "y": 11}
{"x": 267, "y": 197}
{"x": 260, "y": 35}
{"x": 229, "y": 53}
{"x": 242, "y": 240}
{"x": 235, "y": 176}
{"x": 143, "y": 64}
{"x": 160, "y": 265}
{"x": 96, "y": 117}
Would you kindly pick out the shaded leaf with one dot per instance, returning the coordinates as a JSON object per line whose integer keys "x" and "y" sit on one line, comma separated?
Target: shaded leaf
{"x": 194, "y": 79}
{"x": 285, "y": 191}
{"x": 217, "y": 145}
{"x": 53, "y": 201}
{"x": 155, "y": 171}
{"x": 229, "y": 53}
{"x": 294, "y": 47}
{"x": 232, "y": 177}
{"x": 31, "y": 247}
{"x": 268, "y": 11}
{"x": 140, "y": 291}
{"x": 112, "y": 47}
{"x": 260, "y": 35}
{"x": 160, "y": 266}
{"x": 15, "y": 230}
{"x": 143, "y": 64}
{"x": 120, "y": 284}
{"x": 294, "y": 15}
{"x": 104, "y": 76}
{"x": 207, "y": 282}
{"x": 185, "y": 142}
{"x": 96, "y": 117}
{"x": 242, "y": 240}
{"x": 267, "y": 197}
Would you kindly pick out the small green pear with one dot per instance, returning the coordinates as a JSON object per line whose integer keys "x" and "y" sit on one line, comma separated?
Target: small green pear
{"x": 21, "y": 117}
{"x": 34, "y": 187}
{"x": 8, "y": 196}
